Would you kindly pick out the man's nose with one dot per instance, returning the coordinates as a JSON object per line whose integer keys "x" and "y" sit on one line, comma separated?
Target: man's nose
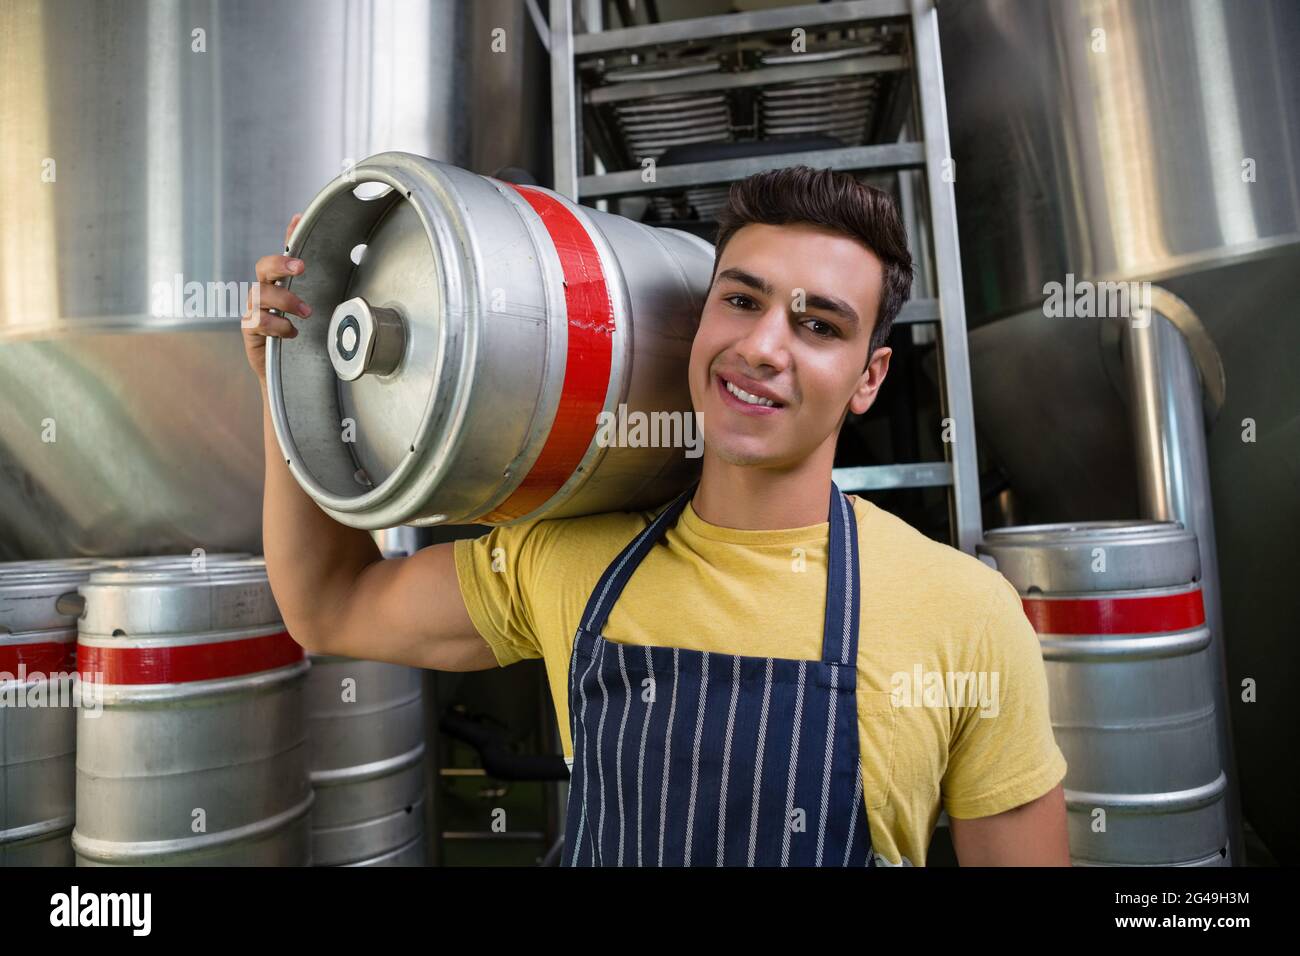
{"x": 767, "y": 342}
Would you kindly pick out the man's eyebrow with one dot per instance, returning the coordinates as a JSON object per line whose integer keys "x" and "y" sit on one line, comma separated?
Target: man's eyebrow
{"x": 829, "y": 303}
{"x": 747, "y": 278}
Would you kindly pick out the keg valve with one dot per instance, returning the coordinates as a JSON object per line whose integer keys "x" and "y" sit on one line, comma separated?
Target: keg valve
{"x": 364, "y": 339}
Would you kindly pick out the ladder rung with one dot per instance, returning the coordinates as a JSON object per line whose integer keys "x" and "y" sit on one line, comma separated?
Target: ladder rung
{"x": 887, "y": 156}
{"x": 810, "y": 17}
{"x": 925, "y": 474}
{"x": 857, "y": 66}
{"x": 919, "y": 311}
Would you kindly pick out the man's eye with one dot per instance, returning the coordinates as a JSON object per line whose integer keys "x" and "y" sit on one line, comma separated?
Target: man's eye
{"x": 738, "y": 300}
{"x": 828, "y": 330}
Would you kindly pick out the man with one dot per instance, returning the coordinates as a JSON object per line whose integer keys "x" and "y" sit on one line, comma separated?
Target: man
{"x": 764, "y": 671}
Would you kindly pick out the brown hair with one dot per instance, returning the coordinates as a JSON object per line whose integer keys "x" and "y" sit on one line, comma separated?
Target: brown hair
{"x": 835, "y": 200}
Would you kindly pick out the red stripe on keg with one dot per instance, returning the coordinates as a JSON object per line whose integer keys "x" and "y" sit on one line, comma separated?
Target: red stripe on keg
{"x": 46, "y": 658}
{"x": 1133, "y": 615}
{"x": 590, "y": 314}
{"x": 180, "y": 664}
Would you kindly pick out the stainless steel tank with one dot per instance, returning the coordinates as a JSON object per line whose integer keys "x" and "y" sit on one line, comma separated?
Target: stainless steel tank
{"x": 468, "y": 336}
{"x": 198, "y": 755}
{"x": 144, "y": 169}
{"x": 1143, "y": 140}
{"x": 365, "y": 722}
{"x": 1118, "y": 138}
{"x": 38, "y": 698}
{"x": 1118, "y": 610}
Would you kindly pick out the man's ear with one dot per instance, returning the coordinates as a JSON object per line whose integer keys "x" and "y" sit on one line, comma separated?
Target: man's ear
{"x": 870, "y": 381}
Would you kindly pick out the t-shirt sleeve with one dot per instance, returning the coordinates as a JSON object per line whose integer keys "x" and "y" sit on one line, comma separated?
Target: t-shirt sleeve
{"x": 495, "y": 572}
{"x": 1004, "y": 754}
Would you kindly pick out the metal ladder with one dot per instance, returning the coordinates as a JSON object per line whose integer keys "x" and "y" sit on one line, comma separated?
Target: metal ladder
{"x": 959, "y": 469}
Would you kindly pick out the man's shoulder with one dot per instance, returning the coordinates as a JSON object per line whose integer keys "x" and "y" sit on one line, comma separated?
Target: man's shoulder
{"x": 575, "y": 541}
{"x": 585, "y": 530}
{"x": 919, "y": 569}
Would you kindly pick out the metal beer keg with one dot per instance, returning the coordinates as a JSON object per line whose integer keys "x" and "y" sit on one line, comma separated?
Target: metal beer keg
{"x": 466, "y": 336}
{"x": 365, "y": 721}
{"x": 1117, "y": 607}
{"x": 38, "y": 724}
{"x": 198, "y": 755}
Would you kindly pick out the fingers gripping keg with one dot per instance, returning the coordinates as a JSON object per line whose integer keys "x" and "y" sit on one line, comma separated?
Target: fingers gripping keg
{"x": 478, "y": 330}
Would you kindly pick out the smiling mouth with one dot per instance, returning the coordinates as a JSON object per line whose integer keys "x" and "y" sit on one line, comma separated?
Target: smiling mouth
{"x": 736, "y": 397}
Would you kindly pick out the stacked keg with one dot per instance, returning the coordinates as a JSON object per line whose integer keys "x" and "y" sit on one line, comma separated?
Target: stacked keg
{"x": 366, "y": 726}
{"x": 470, "y": 339}
{"x": 1117, "y": 607}
{"x": 38, "y": 697}
{"x": 198, "y": 754}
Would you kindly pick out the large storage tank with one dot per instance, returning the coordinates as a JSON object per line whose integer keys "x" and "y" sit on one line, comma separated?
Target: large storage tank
{"x": 152, "y": 151}
{"x": 1142, "y": 140}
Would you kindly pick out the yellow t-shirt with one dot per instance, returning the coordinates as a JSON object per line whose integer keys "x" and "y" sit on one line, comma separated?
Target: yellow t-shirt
{"x": 928, "y": 611}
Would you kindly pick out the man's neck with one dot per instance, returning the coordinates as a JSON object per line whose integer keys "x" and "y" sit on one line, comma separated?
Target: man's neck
{"x": 764, "y": 499}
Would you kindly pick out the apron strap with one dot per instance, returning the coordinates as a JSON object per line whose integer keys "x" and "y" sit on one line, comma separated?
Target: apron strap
{"x": 840, "y": 632}
{"x": 620, "y": 570}
{"x": 840, "y": 628}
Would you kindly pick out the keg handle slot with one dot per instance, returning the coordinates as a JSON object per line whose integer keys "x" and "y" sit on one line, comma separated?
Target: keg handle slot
{"x": 365, "y": 339}
{"x": 72, "y": 604}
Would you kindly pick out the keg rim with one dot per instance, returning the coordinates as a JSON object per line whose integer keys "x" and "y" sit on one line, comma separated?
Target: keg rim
{"x": 1067, "y": 532}
{"x": 24, "y": 579}
{"x": 1037, "y": 593}
{"x": 44, "y": 564}
{"x": 149, "y": 560}
{"x": 53, "y": 575}
{"x": 62, "y": 570}
{"x": 1060, "y": 557}
{"x": 174, "y": 574}
{"x": 402, "y": 171}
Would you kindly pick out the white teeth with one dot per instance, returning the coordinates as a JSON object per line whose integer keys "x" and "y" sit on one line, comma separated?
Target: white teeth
{"x": 745, "y": 396}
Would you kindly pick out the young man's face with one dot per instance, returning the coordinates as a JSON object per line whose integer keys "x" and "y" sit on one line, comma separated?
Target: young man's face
{"x": 789, "y": 318}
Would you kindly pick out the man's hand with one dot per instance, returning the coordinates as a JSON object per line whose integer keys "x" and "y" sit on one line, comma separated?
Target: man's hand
{"x": 258, "y": 323}
{"x": 1033, "y": 834}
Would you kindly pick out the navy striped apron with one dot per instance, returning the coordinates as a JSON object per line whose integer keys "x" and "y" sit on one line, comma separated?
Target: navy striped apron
{"x": 691, "y": 758}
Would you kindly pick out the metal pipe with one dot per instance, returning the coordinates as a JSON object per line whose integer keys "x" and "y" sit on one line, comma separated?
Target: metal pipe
{"x": 1166, "y": 412}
